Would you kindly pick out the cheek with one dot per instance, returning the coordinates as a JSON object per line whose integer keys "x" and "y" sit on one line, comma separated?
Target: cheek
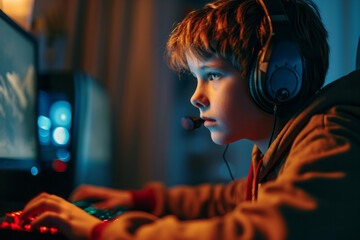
{"x": 236, "y": 104}
{"x": 238, "y": 113}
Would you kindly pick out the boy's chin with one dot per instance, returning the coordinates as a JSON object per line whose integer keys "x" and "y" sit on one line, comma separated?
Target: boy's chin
{"x": 218, "y": 139}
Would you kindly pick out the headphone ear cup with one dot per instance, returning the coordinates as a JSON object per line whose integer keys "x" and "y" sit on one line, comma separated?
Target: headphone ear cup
{"x": 277, "y": 75}
{"x": 284, "y": 72}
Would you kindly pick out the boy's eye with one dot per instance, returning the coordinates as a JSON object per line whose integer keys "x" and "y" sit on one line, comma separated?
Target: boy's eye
{"x": 213, "y": 76}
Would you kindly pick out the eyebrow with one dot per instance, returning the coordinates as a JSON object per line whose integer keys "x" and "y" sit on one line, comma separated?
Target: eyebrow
{"x": 212, "y": 65}
{"x": 220, "y": 66}
{"x": 207, "y": 66}
{"x": 204, "y": 68}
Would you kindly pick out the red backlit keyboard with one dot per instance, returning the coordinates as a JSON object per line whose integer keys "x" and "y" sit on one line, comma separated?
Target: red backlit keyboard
{"x": 12, "y": 228}
{"x": 12, "y": 221}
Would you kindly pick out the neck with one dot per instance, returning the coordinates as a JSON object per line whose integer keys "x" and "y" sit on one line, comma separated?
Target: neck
{"x": 263, "y": 144}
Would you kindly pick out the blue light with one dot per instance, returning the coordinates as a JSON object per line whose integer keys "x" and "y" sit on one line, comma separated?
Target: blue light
{"x": 44, "y": 122}
{"x": 60, "y": 113}
{"x": 61, "y": 136}
{"x": 44, "y": 133}
{"x": 44, "y": 136}
{"x": 63, "y": 154}
{"x": 34, "y": 171}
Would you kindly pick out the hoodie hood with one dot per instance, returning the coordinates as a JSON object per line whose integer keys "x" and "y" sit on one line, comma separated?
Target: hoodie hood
{"x": 344, "y": 91}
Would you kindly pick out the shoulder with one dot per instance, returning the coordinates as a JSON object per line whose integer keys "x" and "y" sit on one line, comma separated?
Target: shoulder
{"x": 329, "y": 140}
{"x": 339, "y": 119}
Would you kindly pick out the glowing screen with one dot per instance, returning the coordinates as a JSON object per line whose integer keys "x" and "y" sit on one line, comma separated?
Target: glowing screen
{"x": 17, "y": 95}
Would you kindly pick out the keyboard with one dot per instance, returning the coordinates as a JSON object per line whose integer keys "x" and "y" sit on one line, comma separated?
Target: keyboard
{"x": 102, "y": 214}
{"x": 11, "y": 228}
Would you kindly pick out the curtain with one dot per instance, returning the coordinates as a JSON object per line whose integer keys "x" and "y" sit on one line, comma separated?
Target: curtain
{"x": 121, "y": 43}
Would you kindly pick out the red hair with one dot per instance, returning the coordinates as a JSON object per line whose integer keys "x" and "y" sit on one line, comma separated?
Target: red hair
{"x": 236, "y": 30}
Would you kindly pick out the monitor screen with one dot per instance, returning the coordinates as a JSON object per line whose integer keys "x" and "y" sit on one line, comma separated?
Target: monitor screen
{"x": 18, "y": 136}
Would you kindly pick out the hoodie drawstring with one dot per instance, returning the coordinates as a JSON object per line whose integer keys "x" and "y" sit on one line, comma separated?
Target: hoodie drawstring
{"x": 249, "y": 185}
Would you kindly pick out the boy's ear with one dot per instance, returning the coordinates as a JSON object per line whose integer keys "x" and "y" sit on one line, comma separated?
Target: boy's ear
{"x": 277, "y": 75}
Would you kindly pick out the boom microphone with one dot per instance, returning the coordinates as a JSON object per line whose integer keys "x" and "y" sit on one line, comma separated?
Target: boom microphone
{"x": 191, "y": 123}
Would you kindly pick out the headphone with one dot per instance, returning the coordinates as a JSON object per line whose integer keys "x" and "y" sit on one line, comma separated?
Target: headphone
{"x": 277, "y": 75}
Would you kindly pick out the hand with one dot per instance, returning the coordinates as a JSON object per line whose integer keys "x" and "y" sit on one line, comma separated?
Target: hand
{"x": 56, "y": 212}
{"x": 109, "y": 198}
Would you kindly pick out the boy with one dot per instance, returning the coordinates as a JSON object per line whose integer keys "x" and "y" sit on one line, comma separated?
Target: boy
{"x": 303, "y": 168}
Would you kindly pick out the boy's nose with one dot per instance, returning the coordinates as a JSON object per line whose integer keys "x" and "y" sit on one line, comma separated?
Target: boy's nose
{"x": 199, "y": 100}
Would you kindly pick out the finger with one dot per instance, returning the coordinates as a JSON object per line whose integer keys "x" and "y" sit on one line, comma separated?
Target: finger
{"x": 39, "y": 196}
{"x": 84, "y": 192}
{"x": 45, "y": 202}
{"x": 79, "y": 193}
{"x": 51, "y": 219}
{"x": 72, "y": 223}
{"x": 89, "y": 191}
{"x": 43, "y": 199}
{"x": 105, "y": 205}
{"x": 110, "y": 204}
{"x": 47, "y": 219}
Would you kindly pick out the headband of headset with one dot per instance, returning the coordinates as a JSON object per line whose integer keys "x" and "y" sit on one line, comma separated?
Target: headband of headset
{"x": 277, "y": 75}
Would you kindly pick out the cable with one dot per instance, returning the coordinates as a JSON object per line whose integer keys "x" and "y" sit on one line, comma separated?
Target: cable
{"x": 227, "y": 165}
{"x": 274, "y": 125}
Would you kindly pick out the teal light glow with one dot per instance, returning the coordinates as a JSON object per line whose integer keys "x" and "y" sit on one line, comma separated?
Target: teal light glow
{"x": 44, "y": 122}
{"x": 60, "y": 113}
{"x": 34, "y": 171}
{"x": 61, "y": 136}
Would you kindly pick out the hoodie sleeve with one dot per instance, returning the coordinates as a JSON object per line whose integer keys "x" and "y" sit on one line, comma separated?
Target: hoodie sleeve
{"x": 314, "y": 197}
{"x": 201, "y": 201}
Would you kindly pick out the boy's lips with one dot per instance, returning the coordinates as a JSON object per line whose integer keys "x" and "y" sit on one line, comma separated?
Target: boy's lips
{"x": 208, "y": 122}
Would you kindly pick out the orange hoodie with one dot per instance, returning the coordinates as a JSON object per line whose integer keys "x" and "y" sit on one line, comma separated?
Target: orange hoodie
{"x": 307, "y": 185}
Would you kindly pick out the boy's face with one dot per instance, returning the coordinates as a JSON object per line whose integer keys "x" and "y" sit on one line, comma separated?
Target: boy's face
{"x": 224, "y": 102}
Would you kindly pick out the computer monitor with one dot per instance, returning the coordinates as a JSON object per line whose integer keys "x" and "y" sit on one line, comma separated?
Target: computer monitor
{"x": 18, "y": 94}
{"x": 18, "y": 110}
{"x": 55, "y": 130}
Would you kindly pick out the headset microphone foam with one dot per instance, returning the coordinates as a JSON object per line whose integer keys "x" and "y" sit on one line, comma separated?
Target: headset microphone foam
{"x": 191, "y": 123}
